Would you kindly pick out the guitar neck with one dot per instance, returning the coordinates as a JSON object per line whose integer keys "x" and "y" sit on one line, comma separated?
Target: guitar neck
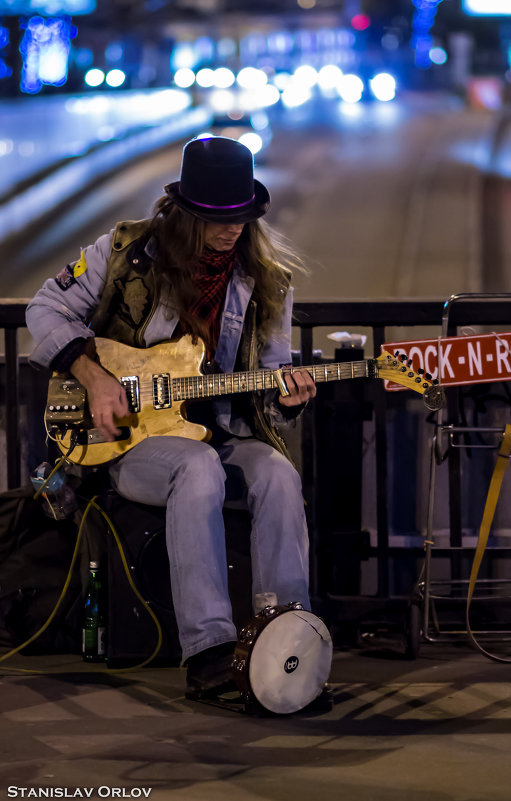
{"x": 209, "y": 386}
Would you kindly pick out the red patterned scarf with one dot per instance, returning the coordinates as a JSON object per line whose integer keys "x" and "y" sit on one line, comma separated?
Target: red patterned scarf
{"x": 213, "y": 273}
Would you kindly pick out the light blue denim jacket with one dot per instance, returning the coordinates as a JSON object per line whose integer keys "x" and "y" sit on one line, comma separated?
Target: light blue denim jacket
{"x": 57, "y": 315}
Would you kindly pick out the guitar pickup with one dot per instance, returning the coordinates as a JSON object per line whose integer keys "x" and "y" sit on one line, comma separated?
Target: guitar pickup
{"x": 132, "y": 386}
{"x": 161, "y": 391}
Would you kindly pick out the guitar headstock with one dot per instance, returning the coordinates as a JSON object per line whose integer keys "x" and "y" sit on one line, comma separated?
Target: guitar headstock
{"x": 393, "y": 369}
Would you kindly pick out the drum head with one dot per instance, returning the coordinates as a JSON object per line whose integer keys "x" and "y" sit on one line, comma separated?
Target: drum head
{"x": 290, "y": 661}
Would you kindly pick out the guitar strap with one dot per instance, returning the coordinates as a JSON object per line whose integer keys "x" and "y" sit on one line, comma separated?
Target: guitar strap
{"x": 484, "y": 531}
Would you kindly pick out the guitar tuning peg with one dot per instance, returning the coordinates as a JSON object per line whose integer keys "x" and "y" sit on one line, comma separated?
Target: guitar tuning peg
{"x": 428, "y": 376}
{"x": 435, "y": 380}
{"x": 402, "y": 356}
{"x": 420, "y": 371}
{"x": 409, "y": 362}
{"x": 396, "y": 353}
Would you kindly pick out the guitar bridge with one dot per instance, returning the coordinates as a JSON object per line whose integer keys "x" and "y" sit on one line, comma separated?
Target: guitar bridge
{"x": 93, "y": 436}
{"x": 161, "y": 391}
{"x": 132, "y": 387}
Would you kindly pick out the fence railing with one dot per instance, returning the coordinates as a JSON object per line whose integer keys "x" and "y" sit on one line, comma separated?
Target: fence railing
{"x": 376, "y": 315}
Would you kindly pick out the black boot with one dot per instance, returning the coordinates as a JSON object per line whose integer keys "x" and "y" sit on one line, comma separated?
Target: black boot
{"x": 209, "y": 673}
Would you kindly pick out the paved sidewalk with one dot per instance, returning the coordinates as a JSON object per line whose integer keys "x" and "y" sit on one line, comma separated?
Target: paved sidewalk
{"x": 434, "y": 729}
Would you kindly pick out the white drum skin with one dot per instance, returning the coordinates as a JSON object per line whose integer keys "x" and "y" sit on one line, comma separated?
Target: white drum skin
{"x": 283, "y": 658}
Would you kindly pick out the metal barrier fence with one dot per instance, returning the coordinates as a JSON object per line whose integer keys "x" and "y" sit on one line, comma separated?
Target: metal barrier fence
{"x": 378, "y": 316}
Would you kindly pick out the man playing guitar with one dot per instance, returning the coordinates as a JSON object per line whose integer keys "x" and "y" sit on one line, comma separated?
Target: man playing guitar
{"x": 203, "y": 268}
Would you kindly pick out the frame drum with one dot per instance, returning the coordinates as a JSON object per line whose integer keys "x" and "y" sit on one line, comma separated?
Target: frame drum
{"x": 283, "y": 658}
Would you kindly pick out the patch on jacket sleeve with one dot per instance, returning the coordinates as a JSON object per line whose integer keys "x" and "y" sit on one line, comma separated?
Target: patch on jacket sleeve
{"x": 80, "y": 266}
{"x": 67, "y": 277}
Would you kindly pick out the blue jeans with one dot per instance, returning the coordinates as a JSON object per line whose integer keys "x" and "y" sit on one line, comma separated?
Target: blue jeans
{"x": 193, "y": 480}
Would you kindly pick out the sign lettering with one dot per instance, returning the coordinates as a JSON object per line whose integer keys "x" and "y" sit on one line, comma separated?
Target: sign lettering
{"x": 477, "y": 359}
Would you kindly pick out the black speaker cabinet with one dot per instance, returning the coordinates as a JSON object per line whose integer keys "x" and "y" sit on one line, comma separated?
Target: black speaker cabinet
{"x": 132, "y": 634}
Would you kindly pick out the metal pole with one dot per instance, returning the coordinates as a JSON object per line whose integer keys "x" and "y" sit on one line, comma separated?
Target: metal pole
{"x": 12, "y": 408}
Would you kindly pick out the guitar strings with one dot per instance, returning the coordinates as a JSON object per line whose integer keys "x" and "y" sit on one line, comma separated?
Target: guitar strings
{"x": 199, "y": 386}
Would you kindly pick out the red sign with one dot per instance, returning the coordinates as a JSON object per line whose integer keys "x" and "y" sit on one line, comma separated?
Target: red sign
{"x": 463, "y": 360}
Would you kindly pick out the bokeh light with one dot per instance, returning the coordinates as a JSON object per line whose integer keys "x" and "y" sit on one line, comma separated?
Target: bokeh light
{"x": 383, "y": 86}
{"x": 184, "y": 77}
{"x": 438, "y": 55}
{"x": 115, "y": 78}
{"x": 350, "y": 88}
{"x": 94, "y": 77}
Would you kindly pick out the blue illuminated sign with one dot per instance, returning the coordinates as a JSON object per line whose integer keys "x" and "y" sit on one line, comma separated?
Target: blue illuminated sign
{"x": 5, "y": 70}
{"x": 19, "y": 8}
{"x": 422, "y": 40}
{"x": 45, "y": 50}
{"x": 487, "y": 8}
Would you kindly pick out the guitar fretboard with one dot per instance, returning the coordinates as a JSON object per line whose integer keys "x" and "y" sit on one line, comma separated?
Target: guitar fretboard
{"x": 207, "y": 386}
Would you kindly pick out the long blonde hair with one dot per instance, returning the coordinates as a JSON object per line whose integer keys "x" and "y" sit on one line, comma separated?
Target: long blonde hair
{"x": 263, "y": 253}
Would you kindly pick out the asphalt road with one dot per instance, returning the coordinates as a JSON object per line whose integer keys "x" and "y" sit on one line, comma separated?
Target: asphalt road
{"x": 380, "y": 200}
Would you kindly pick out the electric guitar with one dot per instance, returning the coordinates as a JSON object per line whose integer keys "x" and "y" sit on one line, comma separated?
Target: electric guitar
{"x": 160, "y": 380}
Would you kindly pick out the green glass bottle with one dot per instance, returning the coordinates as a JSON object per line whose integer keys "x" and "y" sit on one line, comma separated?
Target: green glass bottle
{"x": 94, "y": 621}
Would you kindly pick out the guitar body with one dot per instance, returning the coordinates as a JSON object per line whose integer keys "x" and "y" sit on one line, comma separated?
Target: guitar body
{"x": 180, "y": 358}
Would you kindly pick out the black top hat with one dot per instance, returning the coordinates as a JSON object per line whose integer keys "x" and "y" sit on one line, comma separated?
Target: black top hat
{"x": 217, "y": 182}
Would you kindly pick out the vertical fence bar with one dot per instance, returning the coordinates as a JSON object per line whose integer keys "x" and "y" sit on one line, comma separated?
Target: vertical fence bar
{"x": 382, "y": 522}
{"x": 12, "y": 431}
{"x": 309, "y": 462}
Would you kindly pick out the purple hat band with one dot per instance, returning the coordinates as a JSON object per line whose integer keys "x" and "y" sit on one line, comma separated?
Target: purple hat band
{"x": 210, "y": 206}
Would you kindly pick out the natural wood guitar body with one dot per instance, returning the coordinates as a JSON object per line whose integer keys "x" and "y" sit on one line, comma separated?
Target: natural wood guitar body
{"x": 123, "y": 360}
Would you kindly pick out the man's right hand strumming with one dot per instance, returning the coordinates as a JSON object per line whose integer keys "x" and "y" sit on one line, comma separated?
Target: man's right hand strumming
{"x": 105, "y": 395}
